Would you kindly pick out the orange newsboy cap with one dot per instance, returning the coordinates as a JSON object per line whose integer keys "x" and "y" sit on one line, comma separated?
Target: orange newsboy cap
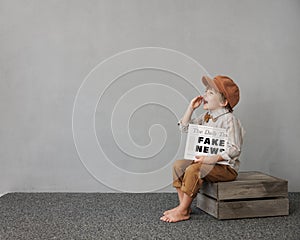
{"x": 225, "y": 85}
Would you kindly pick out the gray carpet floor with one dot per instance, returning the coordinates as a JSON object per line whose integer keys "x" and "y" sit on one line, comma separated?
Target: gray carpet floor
{"x": 128, "y": 216}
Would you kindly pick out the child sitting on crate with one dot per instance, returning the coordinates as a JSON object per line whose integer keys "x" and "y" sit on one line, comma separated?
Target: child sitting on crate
{"x": 220, "y": 97}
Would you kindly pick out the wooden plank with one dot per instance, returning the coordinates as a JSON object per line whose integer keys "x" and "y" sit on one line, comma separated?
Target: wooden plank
{"x": 251, "y": 190}
{"x": 210, "y": 189}
{"x": 254, "y": 175}
{"x": 253, "y": 208}
{"x": 243, "y": 209}
{"x": 251, "y": 184}
{"x": 208, "y": 205}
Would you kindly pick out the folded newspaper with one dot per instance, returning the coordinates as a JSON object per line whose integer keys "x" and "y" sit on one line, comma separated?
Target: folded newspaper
{"x": 204, "y": 141}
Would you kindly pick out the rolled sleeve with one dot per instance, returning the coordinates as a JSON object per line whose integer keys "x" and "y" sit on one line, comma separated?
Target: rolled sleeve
{"x": 184, "y": 128}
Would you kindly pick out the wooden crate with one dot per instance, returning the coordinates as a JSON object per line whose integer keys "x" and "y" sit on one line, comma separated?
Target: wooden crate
{"x": 252, "y": 194}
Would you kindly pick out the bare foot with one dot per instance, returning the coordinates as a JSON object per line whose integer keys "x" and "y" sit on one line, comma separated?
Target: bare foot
{"x": 174, "y": 209}
{"x": 170, "y": 210}
{"x": 176, "y": 216}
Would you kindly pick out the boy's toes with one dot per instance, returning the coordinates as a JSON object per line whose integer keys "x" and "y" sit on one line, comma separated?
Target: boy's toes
{"x": 164, "y": 218}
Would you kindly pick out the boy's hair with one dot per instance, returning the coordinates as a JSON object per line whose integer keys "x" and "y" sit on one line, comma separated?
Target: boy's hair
{"x": 223, "y": 99}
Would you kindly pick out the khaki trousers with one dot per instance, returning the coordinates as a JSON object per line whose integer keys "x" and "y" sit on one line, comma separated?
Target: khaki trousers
{"x": 189, "y": 176}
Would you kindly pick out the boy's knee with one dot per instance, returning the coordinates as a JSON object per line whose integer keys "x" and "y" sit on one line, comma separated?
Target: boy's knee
{"x": 194, "y": 168}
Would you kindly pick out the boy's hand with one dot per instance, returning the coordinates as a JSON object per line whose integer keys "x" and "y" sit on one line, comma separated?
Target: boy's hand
{"x": 207, "y": 159}
{"x": 196, "y": 102}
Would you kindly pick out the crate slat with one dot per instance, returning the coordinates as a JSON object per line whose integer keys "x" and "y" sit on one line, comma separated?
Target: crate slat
{"x": 247, "y": 185}
{"x": 244, "y": 208}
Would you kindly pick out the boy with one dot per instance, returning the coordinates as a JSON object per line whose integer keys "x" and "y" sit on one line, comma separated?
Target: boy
{"x": 220, "y": 97}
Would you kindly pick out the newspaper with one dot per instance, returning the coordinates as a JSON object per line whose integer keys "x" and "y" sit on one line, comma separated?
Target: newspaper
{"x": 204, "y": 141}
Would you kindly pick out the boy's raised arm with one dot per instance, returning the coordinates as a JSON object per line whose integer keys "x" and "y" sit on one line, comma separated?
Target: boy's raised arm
{"x": 195, "y": 103}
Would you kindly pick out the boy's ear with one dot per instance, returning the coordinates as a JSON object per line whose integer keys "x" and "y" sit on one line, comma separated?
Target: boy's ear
{"x": 224, "y": 104}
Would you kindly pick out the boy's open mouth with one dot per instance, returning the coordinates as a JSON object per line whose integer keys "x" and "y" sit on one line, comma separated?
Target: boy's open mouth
{"x": 204, "y": 101}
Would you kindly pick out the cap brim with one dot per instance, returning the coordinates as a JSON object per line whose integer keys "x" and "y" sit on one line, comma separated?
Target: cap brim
{"x": 208, "y": 82}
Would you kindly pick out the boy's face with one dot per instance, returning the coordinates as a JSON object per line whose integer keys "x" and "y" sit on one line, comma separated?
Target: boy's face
{"x": 212, "y": 100}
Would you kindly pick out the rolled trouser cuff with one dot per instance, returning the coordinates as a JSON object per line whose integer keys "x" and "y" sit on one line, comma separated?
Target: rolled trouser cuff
{"x": 192, "y": 190}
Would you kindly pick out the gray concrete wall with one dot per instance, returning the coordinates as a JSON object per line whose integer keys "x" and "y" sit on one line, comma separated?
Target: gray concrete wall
{"x": 48, "y": 48}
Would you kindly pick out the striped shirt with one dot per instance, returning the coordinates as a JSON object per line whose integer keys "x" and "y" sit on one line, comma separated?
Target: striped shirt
{"x": 224, "y": 119}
